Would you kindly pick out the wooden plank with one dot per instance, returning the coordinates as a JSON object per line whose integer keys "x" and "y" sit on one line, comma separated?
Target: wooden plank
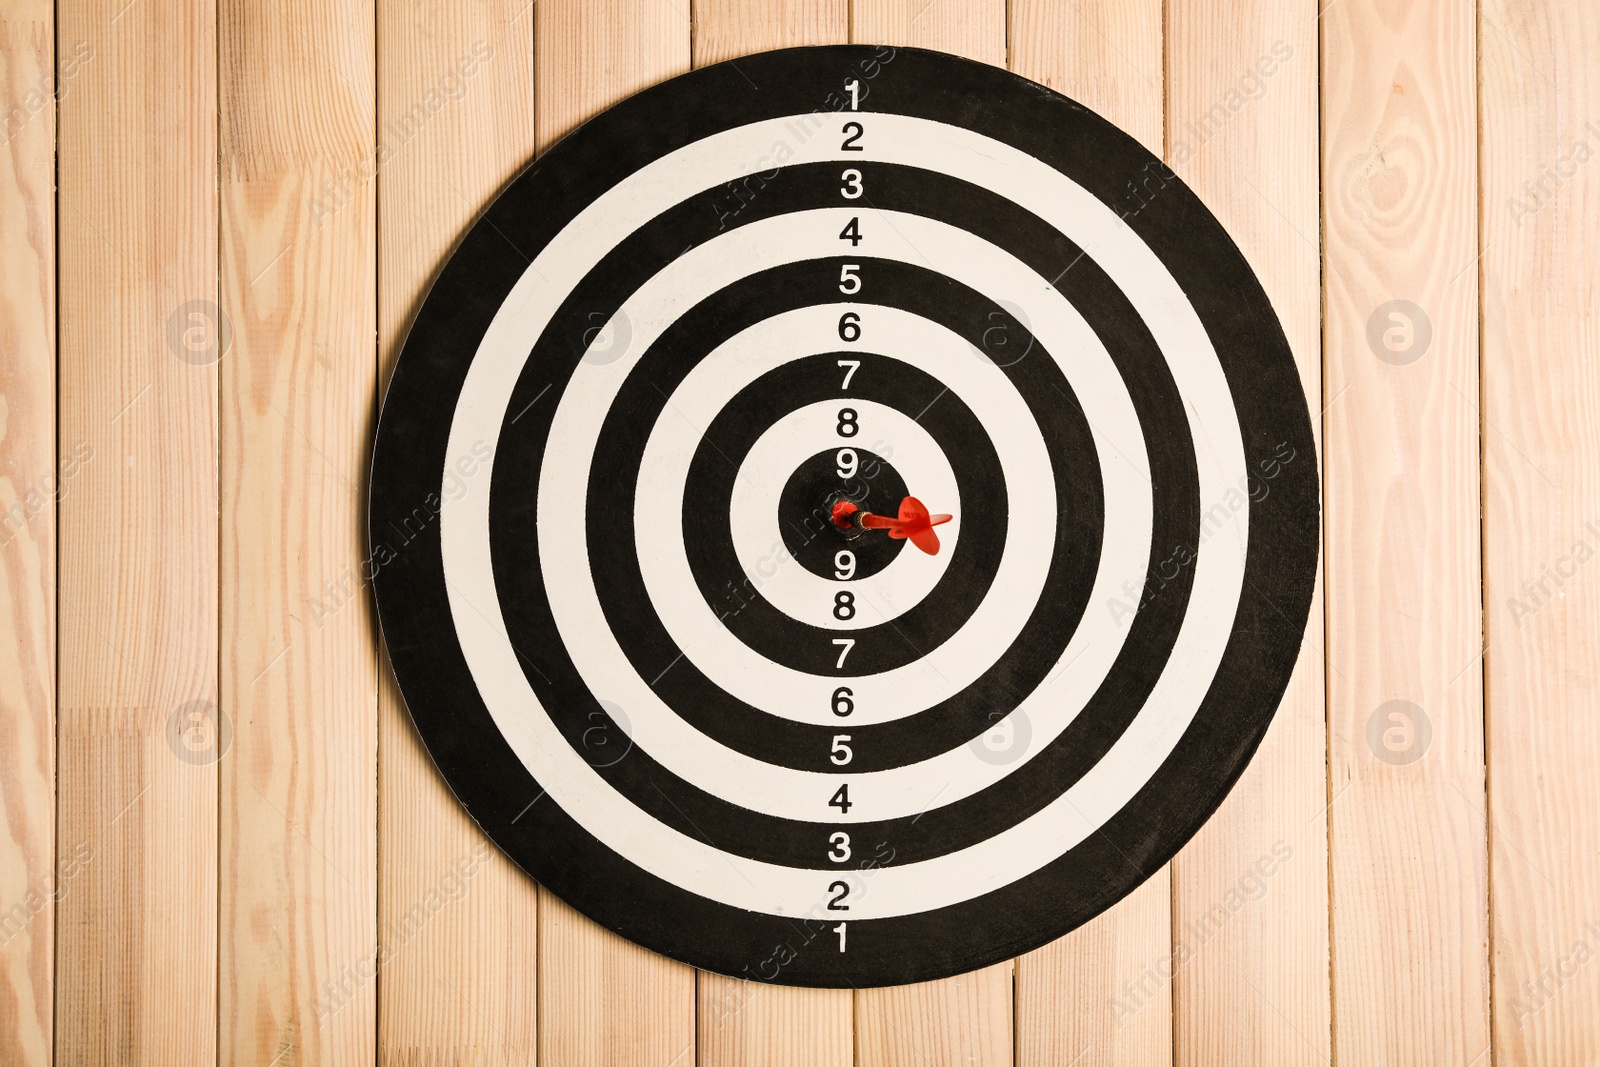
{"x": 140, "y": 733}
{"x": 604, "y": 1000}
{"x": 298, "y": 848}
{"x": 1405, "y": 697}
{"x": 456, "y": 920}
{"x": 960, "y": 1020}
{"x": 1541, "y": 447}
{"x": 743, "y": 1021}
{"x": 1101, "y": 994}
{"x": 975, "y": 28}
{"x": 1242, "y": 131}
{"x": 1107, "y": 56}
{"x": 30, "y": 484}
{"x": 726, "y": 29}
{"x": 968, "y": 1019}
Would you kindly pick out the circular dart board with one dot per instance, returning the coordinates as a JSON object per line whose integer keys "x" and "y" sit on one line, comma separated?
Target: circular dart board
{"x": 844, "y": 517}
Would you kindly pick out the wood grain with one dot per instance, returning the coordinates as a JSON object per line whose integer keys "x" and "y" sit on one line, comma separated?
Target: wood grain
{"x": 1107, "y": 56}
{"x": 743, "y": 1021}
{"x": 726, "y": 29}
{"x": 456, "y": 920}
{"x": 746, "y": 1022}
{"x": 1255, "y": 970}
{"x": 966, "y": 1020}
{"x": 1102, "y": 994}
{"x": 139, "y": 729}
{"x": 1409, "y": 865}
{"x": 604, "y": 1000}
{"x": 1540, "y": 406}
{"x": 298, "y": 844}
{"x": 972, "y": 28}
{"x": 30, "y": 484}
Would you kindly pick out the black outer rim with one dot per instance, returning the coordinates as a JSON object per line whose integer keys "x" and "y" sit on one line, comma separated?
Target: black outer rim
{"x": 1234, "y": 715}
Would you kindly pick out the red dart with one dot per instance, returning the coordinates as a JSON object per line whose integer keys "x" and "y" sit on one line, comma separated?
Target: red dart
{"x": 913, "y": 523}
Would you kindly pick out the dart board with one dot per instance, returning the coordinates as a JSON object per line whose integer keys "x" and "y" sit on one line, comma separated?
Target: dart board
{"x": 844, "y": 516}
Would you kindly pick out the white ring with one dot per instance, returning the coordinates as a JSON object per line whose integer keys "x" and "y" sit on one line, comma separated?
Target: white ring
{"x": 998, "y": 620}
{"x": 754, "y": 518}
{"x": 727, "y": 662}
{"x": 663, "y": 560}
{"x": 1022, "y": 849}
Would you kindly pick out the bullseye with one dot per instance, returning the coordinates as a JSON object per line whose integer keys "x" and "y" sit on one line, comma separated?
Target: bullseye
{"x": 857, "y": 475}
{"x": 939, "y": 534}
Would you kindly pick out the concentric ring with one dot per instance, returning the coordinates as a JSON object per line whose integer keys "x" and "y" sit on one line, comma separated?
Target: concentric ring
{"x": 745, "y": 533}
{"x": 1209, "y": 690}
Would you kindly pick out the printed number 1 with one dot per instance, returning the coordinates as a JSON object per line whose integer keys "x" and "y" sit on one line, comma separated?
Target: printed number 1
{"x": 855, "y": 105}
{"x": 840, "y": 931}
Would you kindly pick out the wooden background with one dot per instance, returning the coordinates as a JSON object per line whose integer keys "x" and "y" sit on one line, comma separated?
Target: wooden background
{"x": 217, "y": 218}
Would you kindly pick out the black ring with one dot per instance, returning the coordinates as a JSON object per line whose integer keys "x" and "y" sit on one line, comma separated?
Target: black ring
{"x": 691, "y": 810}
{"x": 1265, "y": 629}
{"x": 770, "y": 632}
